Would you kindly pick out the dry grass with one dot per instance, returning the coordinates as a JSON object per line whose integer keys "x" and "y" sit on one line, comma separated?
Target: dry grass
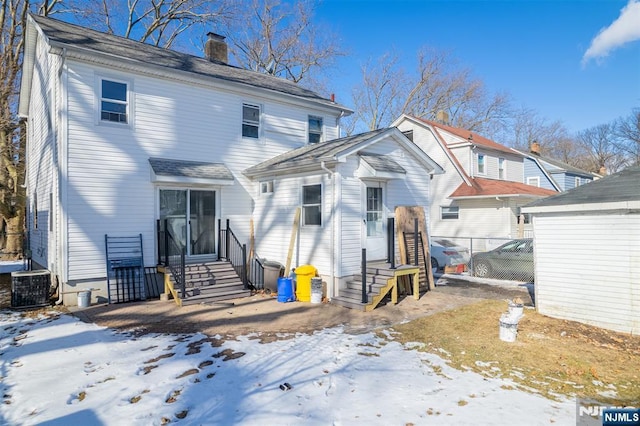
{"x": 550, "y": 356}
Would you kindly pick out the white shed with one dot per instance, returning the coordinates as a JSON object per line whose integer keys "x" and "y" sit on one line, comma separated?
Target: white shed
{"x": 587, "y": 253}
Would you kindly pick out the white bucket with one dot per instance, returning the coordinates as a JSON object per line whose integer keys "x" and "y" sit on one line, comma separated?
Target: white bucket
{"x": 516, "y": 310}
{"x": 316, "y": 290}
{"x": 508, "y": 328}
{"x": 84, "y": 298}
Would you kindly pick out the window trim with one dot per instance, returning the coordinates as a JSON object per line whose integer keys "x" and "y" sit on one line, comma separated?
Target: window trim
{"x": 257, "y": 124}
{"x": 310, "y": 132}
{"x": 577, "y": 181}
{"x": 267, "y": 187}
{"x": 303, "y": 205}
{"x": 128, "y": 103}
{"x": 484, "y": 163}
{"x": 451, "y": 211}
{"x": 531, "y": 179}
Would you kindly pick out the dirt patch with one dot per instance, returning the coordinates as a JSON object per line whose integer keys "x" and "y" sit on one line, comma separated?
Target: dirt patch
{"x": 550, "y": 356}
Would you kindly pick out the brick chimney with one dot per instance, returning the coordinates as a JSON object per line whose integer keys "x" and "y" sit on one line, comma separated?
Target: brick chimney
{"x": 535, "y": 148}
{"x": 602, "y": 171}
{"x": 215, "y": 48}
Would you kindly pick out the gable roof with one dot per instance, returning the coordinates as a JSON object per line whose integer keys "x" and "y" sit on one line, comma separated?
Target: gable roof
{"x": 475, "y": 187}
{"x": 86, "y": 41}
{"x": 314, "y": 156}
{"x": 619, "y": 190}
{"x": 485, "y": 188}
{"x": 471, "y": 137}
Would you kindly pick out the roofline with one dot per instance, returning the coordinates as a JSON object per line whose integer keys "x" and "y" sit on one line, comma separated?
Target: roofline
{"x": 73, "y": 51}
{"x": 456, "y": 164}
{"x": 628, "y": 206}
{"x": 470, "y": 197}
{"x": 395, "y": 133}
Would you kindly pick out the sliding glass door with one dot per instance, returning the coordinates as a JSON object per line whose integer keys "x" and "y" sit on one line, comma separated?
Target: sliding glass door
{"x": 191, "y": 218}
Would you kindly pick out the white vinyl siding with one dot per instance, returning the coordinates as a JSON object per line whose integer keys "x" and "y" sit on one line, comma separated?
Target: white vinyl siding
{"x": 587, "y": 268}
{"x": 108, "y": 175}
{"x": 41, "y": 151}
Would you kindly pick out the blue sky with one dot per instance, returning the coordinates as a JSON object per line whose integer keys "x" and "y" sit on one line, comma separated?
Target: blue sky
{"x": 534, "y": 50}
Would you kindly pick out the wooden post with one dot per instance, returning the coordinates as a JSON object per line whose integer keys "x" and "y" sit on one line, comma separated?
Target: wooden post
{"x": 294, "y": 231}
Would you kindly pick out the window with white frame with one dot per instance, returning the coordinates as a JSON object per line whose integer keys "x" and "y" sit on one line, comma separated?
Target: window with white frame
{"x": 250, "y": 121}
{"x": 449, "y": 212}
{"x": 578, "y": 181}
{"x": 533, "y": 181}
{"x": 481, "y": 166}
{"x": 315, "y": 129}
{"x": 114, "y": 101}
{"x": 266, "y": 187}
{"x": 501, "y": 170}
{"x": 312, "y": 205}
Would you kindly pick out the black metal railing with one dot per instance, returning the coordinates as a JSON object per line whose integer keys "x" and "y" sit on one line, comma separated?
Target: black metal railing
{"x": 391, "y": 246}
{"x": 364, "y": 276}
{"x": 256, "y": 272}
{"x": 230, "y": 249}
{"x": 172, "y": 254}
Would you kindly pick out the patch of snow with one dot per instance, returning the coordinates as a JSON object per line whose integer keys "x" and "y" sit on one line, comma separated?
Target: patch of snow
{"x": 58, "y": 370}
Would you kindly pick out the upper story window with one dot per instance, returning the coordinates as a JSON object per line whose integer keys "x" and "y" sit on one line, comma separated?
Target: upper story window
{"x": 312, "y": 205}
{"x": 578, "y": 181}
{"x": 501, "y": 170}
{"x": 250, "y": 121}
{"x": 449, "y": 212}
{"x": 315, "y": 129}
{"x": 533, "y": 181}
{"x": 481, "y": 165}
{"x": 114, "y": 101}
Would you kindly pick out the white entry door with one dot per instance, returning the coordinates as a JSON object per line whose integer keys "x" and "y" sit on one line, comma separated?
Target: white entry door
{"x": 375, "y": 222}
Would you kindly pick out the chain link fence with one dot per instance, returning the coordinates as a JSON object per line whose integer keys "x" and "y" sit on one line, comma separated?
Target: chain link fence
{"x": 498, "y": 258}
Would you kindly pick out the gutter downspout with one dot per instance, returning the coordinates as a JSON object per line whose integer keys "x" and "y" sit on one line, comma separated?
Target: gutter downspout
{"x": 333, "y": 224}
{"x": 57, "y": 163}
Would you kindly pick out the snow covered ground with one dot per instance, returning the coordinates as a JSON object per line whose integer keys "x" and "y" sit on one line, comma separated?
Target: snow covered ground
{"x": 57, "y": 370}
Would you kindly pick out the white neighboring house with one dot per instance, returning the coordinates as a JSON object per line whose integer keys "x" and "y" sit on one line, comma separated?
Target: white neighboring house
{"x": 482, "y": 189}
{"x": 123, "y": 135}
{"x": 587, "y": 253}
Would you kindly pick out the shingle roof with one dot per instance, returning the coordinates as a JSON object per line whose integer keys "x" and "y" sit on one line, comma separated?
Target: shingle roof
{"x": 313, "y": 154}
{"x": 476, "y": 138}
{"x": 190, "y": 169}
{"x": 621, "y": 186}
{"x": 382, "y": 163}
{"x": 562, "y": 166}
{"x": 71, "y": 35}
{"x": 483, "y": 187}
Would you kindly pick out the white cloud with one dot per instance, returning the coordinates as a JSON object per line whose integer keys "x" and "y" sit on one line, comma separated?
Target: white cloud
{"x": 623, "y": 30}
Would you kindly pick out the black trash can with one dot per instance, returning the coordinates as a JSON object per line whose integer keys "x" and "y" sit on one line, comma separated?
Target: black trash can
{"x": 272, "y": 271}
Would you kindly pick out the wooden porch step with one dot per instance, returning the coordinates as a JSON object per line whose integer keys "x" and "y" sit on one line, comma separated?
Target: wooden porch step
{"x": 381, "y": 282}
